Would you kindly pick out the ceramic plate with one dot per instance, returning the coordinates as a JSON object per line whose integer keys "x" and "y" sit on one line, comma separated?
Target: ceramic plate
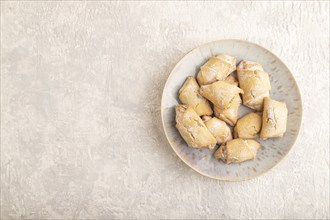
{"x": 284, "y": 88}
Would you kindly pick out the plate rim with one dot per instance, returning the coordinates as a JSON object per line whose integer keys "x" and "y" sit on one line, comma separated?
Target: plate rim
{"x": 223, "y": 178}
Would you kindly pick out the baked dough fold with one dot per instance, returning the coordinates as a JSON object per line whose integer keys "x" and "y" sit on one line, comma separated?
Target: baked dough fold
{"x": 216, "y": 68}
{"x": 230, "y": 114}
{"x": 219, "y": 129}
{"x": 189, "y": 95}
{"x": 274, "y": 119}
{"x": 248, "y": 126}
{"x": 232, "y": 80}
{"x": 237, "y": 151}
{"x": 193, "y": 129}
{"x": 255, "y": 83}
{"x": 220, "y": 93}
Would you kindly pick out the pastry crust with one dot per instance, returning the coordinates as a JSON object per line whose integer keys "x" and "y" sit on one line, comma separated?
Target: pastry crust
{"x": 220, "y": 93}
{"x": 237, "y": 151}
{"x": 248, "y": 126}
{"x": 193, "y": 129}
{"x": 229, "y": 115}
{"x": 189, "y": 95}
{"x": 219, "y": 129}
{"x": 232, "y": 80}
{"x": 274, "y": 119}
{"x": 255, "y": 83}
{"x": 216, "y": 68}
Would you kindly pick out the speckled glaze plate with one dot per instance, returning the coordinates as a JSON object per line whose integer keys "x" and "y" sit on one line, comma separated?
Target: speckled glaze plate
{"x": 284, "y": 88}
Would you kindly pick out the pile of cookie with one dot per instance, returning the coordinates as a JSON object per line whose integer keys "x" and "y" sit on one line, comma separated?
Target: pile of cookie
{"x": 209, "y": 110}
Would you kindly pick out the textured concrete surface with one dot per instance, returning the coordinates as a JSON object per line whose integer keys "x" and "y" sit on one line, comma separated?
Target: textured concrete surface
{"x": 81, "y": 135}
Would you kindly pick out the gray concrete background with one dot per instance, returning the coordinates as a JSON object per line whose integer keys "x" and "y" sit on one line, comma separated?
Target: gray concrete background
{"x": 81, "y": 134}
